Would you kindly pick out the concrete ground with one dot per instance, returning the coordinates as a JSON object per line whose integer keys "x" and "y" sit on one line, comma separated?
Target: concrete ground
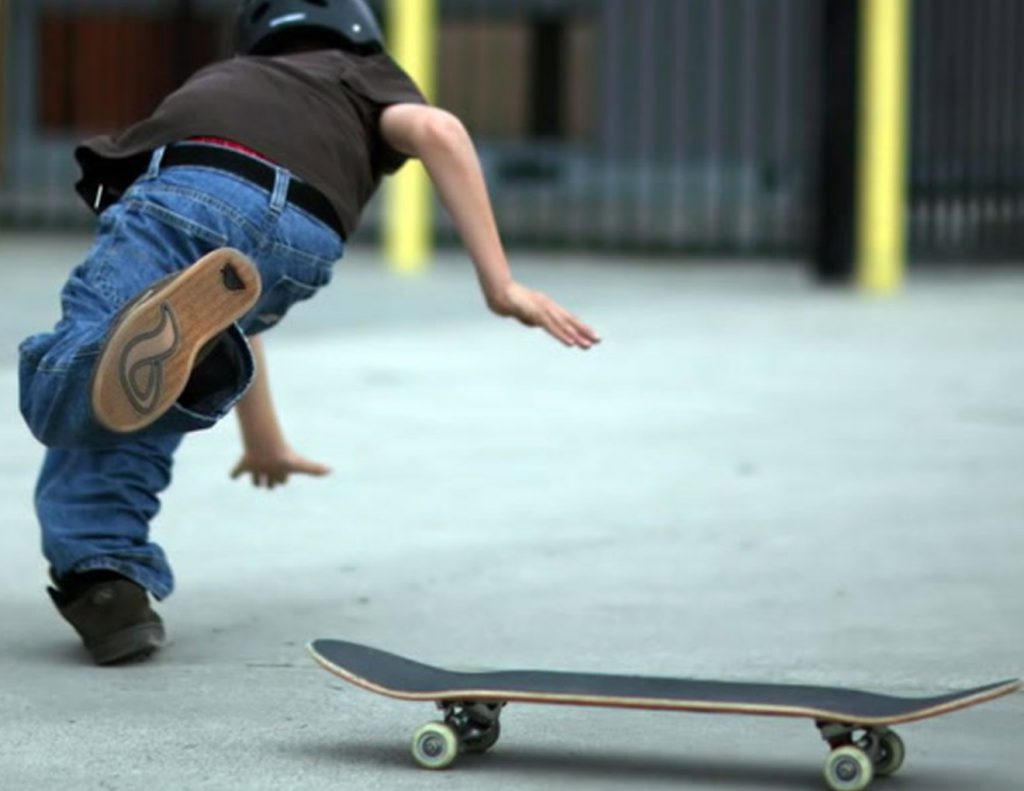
{"x": 750, "y": 479}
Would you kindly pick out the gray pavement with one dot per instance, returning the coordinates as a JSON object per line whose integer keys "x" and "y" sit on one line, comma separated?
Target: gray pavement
{"x": 750, "y": 479}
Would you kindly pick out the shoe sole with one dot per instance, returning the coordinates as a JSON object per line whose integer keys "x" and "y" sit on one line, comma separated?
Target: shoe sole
{"x": 132, "y": 644}
{"x": 149, "y": 355}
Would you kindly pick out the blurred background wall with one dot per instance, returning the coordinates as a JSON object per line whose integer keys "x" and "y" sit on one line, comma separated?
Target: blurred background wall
{"x": 692, "y": 126}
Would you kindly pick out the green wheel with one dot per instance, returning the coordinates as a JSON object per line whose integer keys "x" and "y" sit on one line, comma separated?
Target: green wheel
{"x": 891, "y": 754}
{"x": 435, "y": 746}
{"x": 848, "y": 769}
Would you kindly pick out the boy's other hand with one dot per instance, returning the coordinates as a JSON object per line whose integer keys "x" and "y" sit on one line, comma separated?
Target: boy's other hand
{"x": 270, "y": 469}
{"x": 535, "y": 309}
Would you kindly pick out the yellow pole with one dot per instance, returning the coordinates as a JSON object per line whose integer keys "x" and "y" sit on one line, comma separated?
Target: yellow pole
{"x": 882, "y": 192}
{"x": 408, "y": 217}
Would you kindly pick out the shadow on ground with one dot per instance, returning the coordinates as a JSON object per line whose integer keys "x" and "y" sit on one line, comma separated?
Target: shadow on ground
{"x": 633, "y": 768}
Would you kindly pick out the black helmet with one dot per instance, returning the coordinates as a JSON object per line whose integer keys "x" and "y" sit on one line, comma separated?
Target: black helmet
{"x": 264, "y": 26}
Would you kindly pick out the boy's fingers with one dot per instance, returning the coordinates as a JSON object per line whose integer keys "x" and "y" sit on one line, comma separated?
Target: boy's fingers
{"x": 566, "y": 333}
{"x": 304, "y": 467}
{"x": 582, "y": 328}
{"x": 571, "y": 327}
{"x": 588, "y": 332}
{"x": 580, "y": 332}
{"x": 558, "y": 333}
{"x": 571, "y": 335}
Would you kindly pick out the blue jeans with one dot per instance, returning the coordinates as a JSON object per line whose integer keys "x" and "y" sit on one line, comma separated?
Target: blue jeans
{"x": 97, "y": 490}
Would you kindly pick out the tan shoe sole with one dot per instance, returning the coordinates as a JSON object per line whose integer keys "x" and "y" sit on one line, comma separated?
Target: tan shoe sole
{"x": 149, "y": 354}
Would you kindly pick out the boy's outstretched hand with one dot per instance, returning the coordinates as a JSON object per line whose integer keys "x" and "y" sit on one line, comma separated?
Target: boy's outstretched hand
{"x": 442, "y": 143}
{"x": 535, "y": 309}
{"x": 273, "y": 469}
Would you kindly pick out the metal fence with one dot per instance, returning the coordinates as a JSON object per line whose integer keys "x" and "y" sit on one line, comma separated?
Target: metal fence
{"x": 967, "y": 139}
{"x": 654, "y": 124}
{"x": 689, "y": 125}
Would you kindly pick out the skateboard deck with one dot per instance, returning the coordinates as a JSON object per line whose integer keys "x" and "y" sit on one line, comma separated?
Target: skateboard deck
{"x": 855, "y": 724}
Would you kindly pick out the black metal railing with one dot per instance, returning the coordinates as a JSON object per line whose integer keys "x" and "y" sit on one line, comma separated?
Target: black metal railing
{"x": 967, "y": 121}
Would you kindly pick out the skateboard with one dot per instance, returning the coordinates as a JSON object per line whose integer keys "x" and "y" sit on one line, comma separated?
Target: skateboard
{"x": 855, "y": 724}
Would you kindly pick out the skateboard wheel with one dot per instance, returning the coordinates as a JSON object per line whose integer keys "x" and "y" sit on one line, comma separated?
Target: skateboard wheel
{"x": 848, "y": 769}
{"x": 435, "y": 746}
{"x": 891, "y": 754}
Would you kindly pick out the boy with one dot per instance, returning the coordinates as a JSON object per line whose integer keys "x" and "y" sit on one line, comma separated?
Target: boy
{"x": 221, "y": 210}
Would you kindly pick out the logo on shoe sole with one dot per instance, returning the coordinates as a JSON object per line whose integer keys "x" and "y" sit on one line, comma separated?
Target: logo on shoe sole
{"x": 141, "y": 366}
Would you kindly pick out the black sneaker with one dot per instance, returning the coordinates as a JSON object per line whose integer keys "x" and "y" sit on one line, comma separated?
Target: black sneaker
{"x": 111, "y": 614}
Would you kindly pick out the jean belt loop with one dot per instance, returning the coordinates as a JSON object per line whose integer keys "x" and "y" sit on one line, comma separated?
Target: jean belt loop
{"x": 282, "y": 180}
{"x": 154, "y": 163}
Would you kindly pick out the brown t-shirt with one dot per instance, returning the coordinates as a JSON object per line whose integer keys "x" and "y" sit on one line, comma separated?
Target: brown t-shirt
{"x": 314, "y": 113}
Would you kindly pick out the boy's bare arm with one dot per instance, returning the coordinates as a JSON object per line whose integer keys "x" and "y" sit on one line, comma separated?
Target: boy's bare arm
{"x": 257, "y": 417}
{"x": 267, "y": 457}
{"x": 441, "y": 142}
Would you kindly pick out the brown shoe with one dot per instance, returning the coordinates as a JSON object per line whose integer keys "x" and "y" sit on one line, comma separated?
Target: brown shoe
{"x": 155, "y": 342}
{"x": 111, "y": 614}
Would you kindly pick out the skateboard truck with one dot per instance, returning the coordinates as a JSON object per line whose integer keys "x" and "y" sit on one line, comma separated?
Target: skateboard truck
{"x": 859, "y": 754}
{"x": 469, "y": 727}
